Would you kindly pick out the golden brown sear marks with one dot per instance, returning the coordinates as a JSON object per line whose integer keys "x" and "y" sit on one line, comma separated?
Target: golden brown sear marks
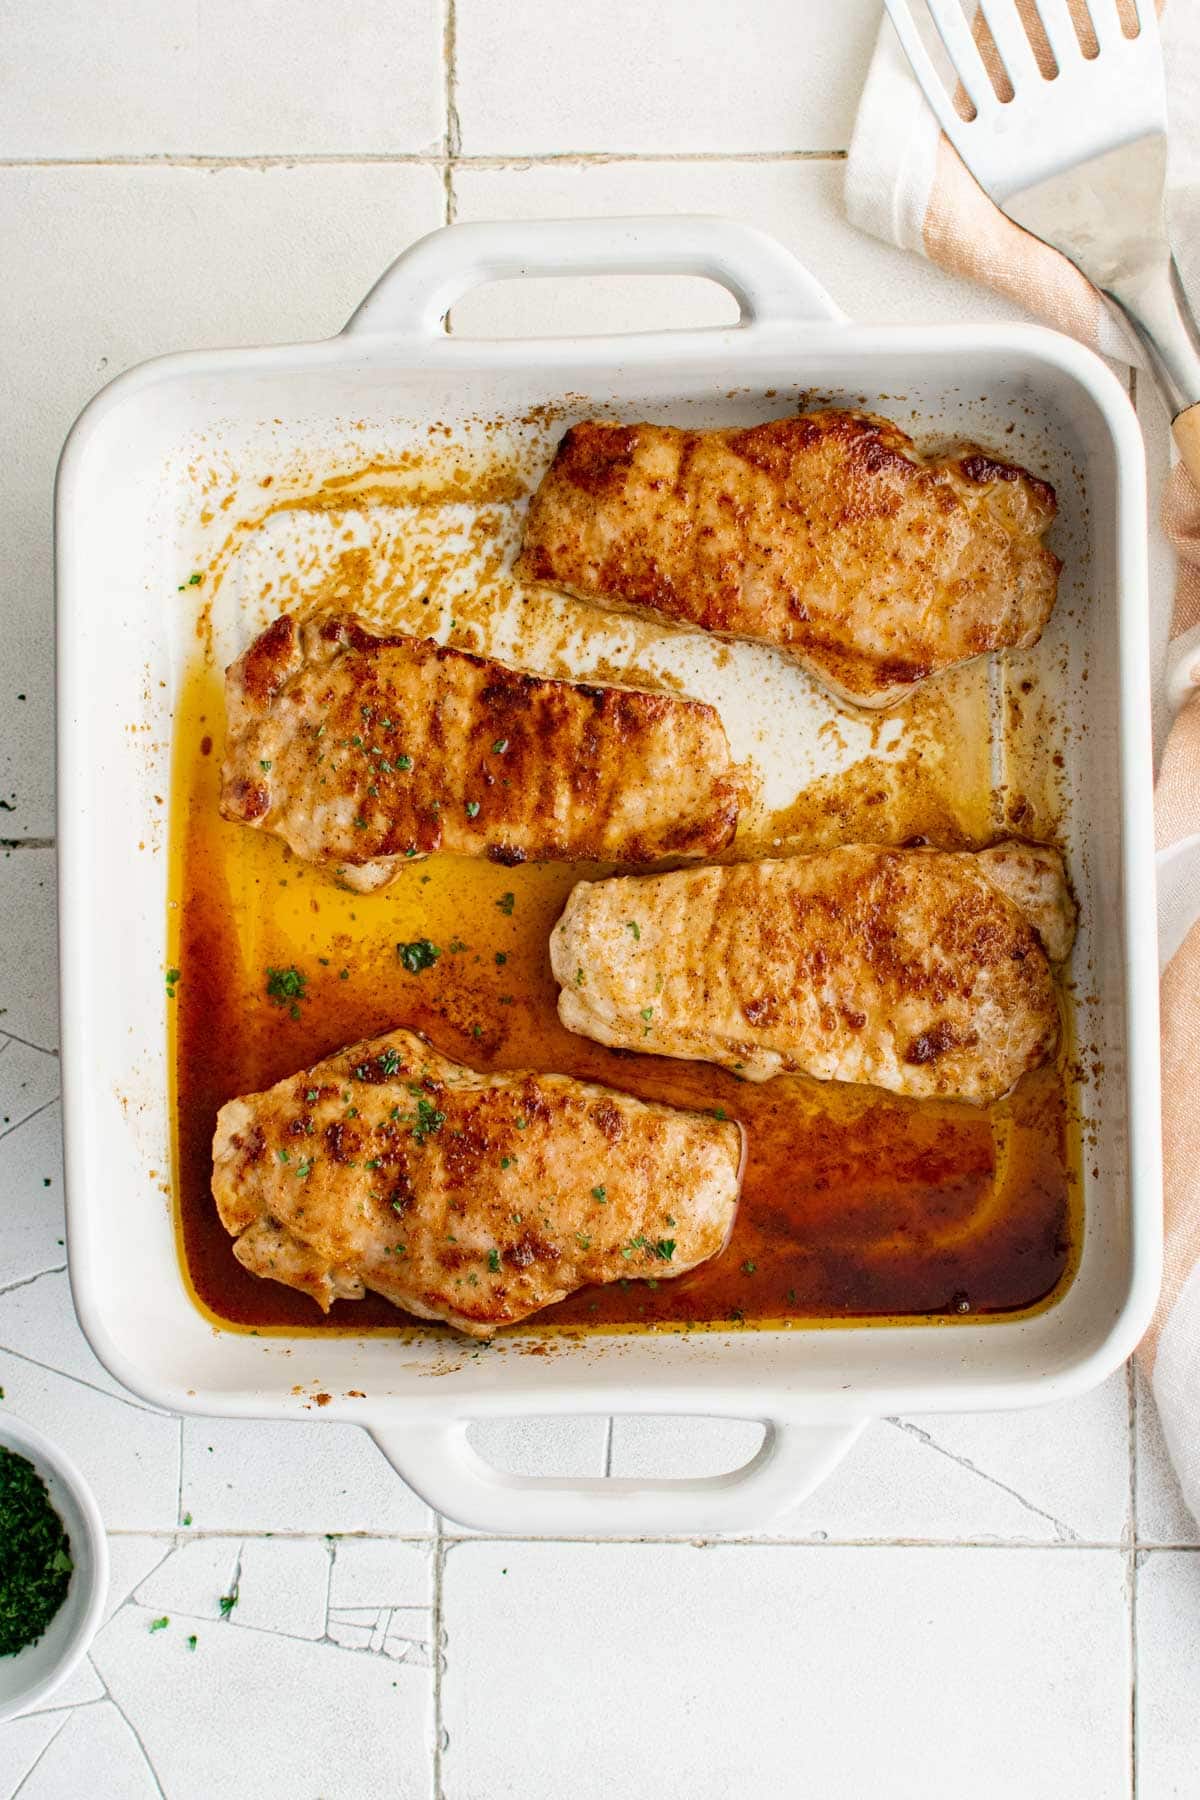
{"x": 913, "y": 970}
{"x": 472, "y": 1198}
{"x": 364, "y": 751}
{"x": 825, "y": 534}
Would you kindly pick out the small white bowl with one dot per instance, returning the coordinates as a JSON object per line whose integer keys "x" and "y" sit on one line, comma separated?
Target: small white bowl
{"x": 36, "y": 1671}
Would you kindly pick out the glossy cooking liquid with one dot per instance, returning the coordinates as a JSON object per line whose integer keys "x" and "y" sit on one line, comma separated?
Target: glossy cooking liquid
{"x": 855, "y": 1203}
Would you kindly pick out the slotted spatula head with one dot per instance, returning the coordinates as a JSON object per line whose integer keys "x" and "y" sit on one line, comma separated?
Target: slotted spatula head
{"x": 1058, "y": 109}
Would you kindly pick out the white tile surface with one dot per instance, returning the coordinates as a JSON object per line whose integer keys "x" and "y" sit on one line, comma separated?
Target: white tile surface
{"x": 22, "y": 1741}
{"x": 1168, "y": 1675}
{"x": 799, "y": 202}
{"x": 756, "y": 1670}
{"x": 266, "y": 1714}
{"x": 220, "y": 78}
{"x": 1162, "y": 1513}
{"x": 31, "y": 1182}
{"x": 28, "y": 1081}
{"x": 1050, "y": 1475}
{"x": 103, "y": 268}
{"x": 613, "y": 1669}
{"x": 256, "y": 1475}
{"x": 282, "y": 1585}
{"x": 555, "y": 76}
{"x": 29, "y": 983}
{"x": 130, "y": 1456}
{"x": 94, "y": 1753}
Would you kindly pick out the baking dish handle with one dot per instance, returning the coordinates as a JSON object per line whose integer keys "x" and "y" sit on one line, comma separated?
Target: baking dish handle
{"x": 448, "y": 1472}
{"x": 412, "y": 298}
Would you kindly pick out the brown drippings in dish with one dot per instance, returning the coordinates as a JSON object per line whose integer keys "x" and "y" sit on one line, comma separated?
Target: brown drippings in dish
{"x": 855, "y": 1205}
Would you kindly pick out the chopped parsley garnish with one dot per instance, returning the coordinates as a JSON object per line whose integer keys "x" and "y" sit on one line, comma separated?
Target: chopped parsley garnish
{"x": 286, "y": 988}
{"x": 402, "y": 764}
{"x": 501, "y": 958}
{"x": 312, "y": 1094}
{"x": 664, "y": 1249}
{"x": 304, "y": 1170}
{"x": 580, "y": 977}
{"x": 718, "y": 1112}
{"x": 647, "y": 1012}
{"x": 749, "y": 1266}
{"x": 227, "y": 1603}
{"x": 174, "y": 977}
{"x": 192, "y": 1641}
{"x": 583, "y": 1240}
{"x": 37, "y": 1555}
{"x": 420, "y": 954}
{"x": 500, "y": 746}
{"x": 283, "y": 1155}
{"x": 506, "y": 902}
{"x": 506, "y": 1162}
{"x": 456, "y": 947}
{"x": 388, "y": 1061}
{"x": 360, "y": 824}
{"x": 264, "y": 764}
{"x": 426, "y": 1121}
{"x": 599, "y": 1193}
{"x": 494, "y": 1260}
{"x": 160, "y": 1624}
{"x": 632, "y": 925}
{"x": 472, "y": 809}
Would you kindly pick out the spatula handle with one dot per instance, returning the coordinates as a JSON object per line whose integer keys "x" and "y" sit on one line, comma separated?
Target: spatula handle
{"x": 1187, "y": 437}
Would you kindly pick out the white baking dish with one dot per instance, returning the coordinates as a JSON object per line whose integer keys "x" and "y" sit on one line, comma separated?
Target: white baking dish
{"x": 124, "y": 514}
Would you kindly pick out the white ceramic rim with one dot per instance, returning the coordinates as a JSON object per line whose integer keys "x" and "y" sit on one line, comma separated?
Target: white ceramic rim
{"x": 401, "y": 320}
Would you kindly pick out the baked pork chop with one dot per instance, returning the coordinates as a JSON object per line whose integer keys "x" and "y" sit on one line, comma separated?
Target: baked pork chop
{"x": 471, "y": 1198}
{"x": 825, "y": 534}
{"x": 923, "y": 971}
{"x": 363, "y": 752}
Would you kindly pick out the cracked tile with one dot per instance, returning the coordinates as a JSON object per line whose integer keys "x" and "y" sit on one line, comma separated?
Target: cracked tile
{"x": 34, "y": 1236}
{"x": 999, "y": 1673}
{"x": 129, "y": 1456}
{"x": 22, "y": 1741}
{"x": 130, "y": 1560}
{"x": 29, "y": 1080}
{"x": 282, "y": 1586}
{"x": 247, "y": 1475}
{"x": 267, "y": 1714}
{"x": 1047, "y": 1475}
{"x": 96, "y": 1752}
{"x": 380, "y": 1572}
{"x": 1168, "y": 1672}
{"x": 192, "y": 1579}
{"x": 29, "y": 984}
{"x": 79, "y": 1689}
{"x": 39, "y": 1322}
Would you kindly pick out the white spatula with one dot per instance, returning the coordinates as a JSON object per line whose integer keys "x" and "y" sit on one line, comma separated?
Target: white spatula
{"x": 1061, "y": 118}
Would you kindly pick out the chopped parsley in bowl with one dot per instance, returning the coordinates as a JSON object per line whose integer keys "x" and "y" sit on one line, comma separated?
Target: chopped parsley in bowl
{"x": 53, "y": 1566}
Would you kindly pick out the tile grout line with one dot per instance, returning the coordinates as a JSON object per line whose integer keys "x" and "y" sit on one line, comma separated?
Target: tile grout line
{"x": 453, "y": 138}
{"x": 419, "y": 158}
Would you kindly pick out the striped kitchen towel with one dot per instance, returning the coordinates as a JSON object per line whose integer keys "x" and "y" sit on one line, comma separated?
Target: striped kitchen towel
{"x": 906, "y": 184}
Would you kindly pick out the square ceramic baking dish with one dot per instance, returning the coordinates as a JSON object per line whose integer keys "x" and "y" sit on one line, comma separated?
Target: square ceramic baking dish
{"x": 123, "y": 505}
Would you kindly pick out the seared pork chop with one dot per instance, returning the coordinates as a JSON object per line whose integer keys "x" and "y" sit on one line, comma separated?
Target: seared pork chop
{"x": 923, "y": 971}
{"x": 825, "y": 534}
{"x": 363, "y": 752}
{"x": 471, "y": 1198}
